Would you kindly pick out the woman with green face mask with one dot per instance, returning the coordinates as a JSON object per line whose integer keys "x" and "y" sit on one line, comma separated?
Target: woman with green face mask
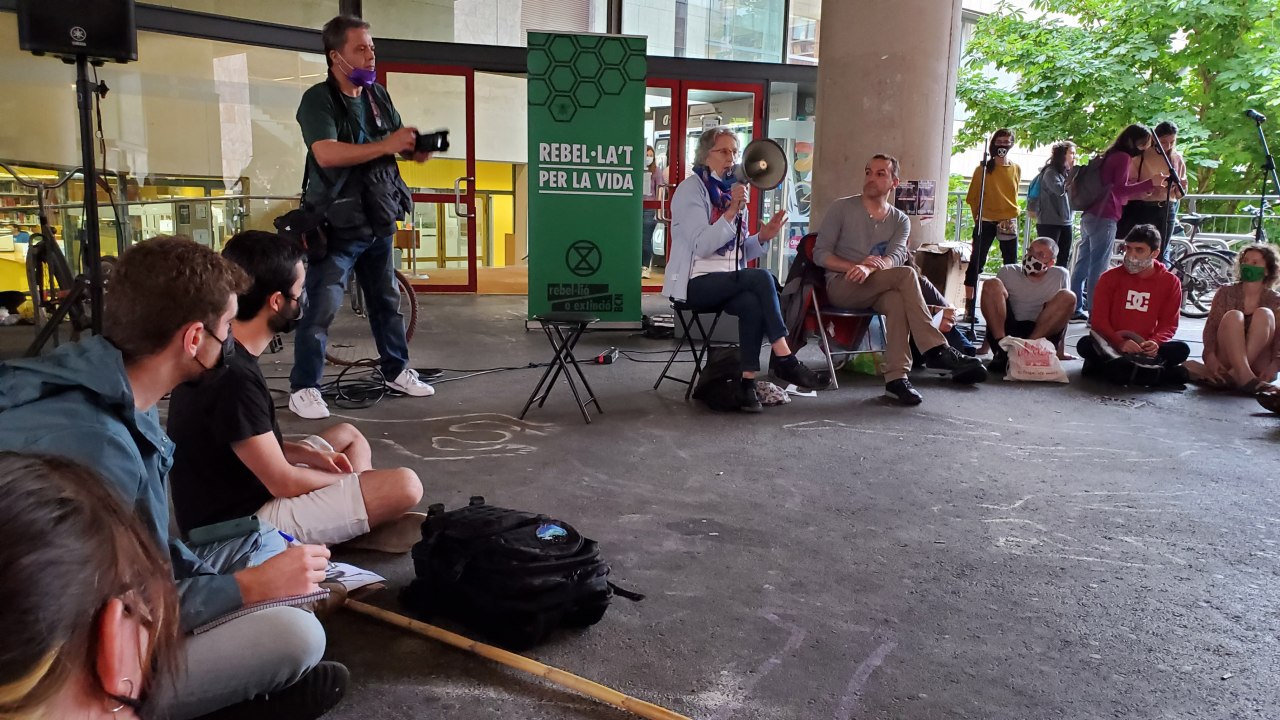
{"x": 1241, "y": 346}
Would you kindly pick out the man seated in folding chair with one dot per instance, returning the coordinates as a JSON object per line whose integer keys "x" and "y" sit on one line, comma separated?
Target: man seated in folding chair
{"x": 707, "y": 266}
{"x": 1029, "y": 301}
{"x": 856, "y": 279}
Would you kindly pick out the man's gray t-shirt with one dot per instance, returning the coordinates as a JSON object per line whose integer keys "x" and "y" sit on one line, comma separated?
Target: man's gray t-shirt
{"x": 848, "y": 232}
{"x": 1027, "y": 296}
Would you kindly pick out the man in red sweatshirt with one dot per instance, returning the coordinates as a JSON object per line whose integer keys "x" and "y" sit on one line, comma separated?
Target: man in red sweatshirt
{"x": 1135, "y": 316}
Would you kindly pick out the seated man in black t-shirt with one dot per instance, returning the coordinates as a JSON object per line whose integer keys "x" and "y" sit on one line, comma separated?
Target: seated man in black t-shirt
{"x": 231, "y": 460}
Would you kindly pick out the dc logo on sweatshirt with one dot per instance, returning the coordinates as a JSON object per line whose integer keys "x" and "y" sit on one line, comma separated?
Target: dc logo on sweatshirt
{"x": 1140, "y": 301}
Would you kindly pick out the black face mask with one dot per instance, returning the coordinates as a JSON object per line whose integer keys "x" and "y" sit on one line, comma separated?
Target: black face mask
{"x": 1001, "y": 151}
{"x": 228, "y": 350}
{"x": 281, "y": 323}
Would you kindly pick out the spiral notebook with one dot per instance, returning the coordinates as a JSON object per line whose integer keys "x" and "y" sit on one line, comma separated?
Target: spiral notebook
{"x": 291, "y": 601}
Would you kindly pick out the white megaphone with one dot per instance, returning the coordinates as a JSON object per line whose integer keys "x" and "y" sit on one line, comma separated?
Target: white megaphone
{"x": 764, "y": 165}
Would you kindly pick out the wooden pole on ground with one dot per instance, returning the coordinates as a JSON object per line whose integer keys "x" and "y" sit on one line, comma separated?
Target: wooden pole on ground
{"x": 646, "y": 710}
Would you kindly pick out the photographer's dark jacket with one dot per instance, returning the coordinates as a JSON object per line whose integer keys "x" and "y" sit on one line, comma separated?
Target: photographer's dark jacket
{"x": 360, "y": 200}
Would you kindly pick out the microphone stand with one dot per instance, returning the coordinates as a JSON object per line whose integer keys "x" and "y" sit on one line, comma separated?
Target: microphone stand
{"x": 1167, "y": 227}
{"x": 1268, "y": 170}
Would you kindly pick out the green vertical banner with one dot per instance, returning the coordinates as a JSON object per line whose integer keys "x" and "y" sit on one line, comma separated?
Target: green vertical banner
{"x": 586, "y": 158}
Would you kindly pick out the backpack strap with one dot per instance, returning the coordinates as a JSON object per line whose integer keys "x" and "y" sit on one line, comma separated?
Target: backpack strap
{"x": 624, "y": 593}
{"x": 333, "y": 189}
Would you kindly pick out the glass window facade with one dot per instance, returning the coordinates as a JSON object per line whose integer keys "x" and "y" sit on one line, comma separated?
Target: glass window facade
{"x": 195, "y": 125}
{"x": 791, "y": 124}
{"x": 297, "y": 13}
{"x": 802, "y": 32}
{"x": 741, "y": 30}
{"x": 482, "y": 22}
{"x": 192, "y": 118}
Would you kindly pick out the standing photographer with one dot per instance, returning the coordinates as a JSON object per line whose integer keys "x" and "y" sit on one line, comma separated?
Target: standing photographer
{"x": 353, "y": 134}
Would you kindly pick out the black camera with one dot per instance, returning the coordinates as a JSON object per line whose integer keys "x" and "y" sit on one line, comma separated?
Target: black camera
{"x": 434, "y": 142}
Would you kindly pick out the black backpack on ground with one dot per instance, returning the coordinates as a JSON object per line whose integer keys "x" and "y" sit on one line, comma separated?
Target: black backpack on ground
{"x": 720, "y": 379}
{"x": 511, "y": 576}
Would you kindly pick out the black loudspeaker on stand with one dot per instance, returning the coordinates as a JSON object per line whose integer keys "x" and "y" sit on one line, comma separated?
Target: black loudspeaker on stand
{"x": 83, "y": 32}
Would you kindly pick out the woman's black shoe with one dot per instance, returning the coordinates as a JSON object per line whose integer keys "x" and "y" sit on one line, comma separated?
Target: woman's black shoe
{"x": 798, "y": 374}
{"x": 748, "y": 400}
{"x": 902, "y": 391}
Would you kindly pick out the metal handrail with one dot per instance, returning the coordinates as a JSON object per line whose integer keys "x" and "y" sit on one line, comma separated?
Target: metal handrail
{"x": 958, "y": 213}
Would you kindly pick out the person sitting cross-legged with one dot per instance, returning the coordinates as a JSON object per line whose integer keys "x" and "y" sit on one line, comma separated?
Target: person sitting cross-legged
{"x": 1134, "y": 318}
{"x": 1241, "y": 345}
{"x": 852, "y": 227}
{"x": 231, "y": 459}
{"x": 168, "y": 321}
{"x": 1029, "y": 301}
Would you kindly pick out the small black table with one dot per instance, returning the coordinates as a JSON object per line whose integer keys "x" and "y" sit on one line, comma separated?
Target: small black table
{"x": 563, "y": 330}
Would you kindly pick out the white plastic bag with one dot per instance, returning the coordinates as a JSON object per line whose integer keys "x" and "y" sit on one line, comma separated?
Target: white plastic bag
{"x": 1032, "y": 360}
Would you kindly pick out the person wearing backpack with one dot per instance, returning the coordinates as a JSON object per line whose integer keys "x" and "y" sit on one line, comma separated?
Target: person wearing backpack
{"x": 1158, "y": 206}
{"x": 993, "y": 199}
{"x": 1098, "y": 225}
{"x": 1048, "y": 203}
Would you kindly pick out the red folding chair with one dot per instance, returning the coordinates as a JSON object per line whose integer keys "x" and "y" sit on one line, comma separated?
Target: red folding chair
{"x": 847, "y": 327}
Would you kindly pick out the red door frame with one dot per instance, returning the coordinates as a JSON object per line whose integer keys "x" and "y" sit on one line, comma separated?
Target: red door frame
{"x": 466, "y": 198}
{"x": 677, "y": 162}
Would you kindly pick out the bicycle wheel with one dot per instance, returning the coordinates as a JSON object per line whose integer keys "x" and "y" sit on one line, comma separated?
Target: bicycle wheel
{"x": 350, "y": 339}
{"x": 1202, "y": 273}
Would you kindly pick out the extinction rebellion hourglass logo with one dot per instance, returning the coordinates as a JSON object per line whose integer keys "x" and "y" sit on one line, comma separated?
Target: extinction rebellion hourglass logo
{"x": 583, "y": 258}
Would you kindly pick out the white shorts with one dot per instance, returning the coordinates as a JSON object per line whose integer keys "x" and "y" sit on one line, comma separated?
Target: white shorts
{"x": 328, "y": 516}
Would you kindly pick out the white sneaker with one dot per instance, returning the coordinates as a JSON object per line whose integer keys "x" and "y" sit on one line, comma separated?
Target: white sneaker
{"x": 308, "y": 404}
{"x": 645, "y": 273}
{"x": 408, "y": 383}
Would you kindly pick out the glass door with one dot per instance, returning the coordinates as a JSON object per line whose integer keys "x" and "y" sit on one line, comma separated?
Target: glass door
{"x": 662, "y": 122}
{"x": 673, "y": 128}
{"x": 437, "y": 246}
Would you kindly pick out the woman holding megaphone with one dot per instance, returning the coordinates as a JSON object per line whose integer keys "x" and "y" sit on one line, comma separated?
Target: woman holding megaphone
{"x": 707, "y": 267}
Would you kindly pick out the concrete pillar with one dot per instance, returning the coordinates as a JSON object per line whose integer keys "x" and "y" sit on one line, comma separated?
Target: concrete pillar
{"x": 886, "y": 83}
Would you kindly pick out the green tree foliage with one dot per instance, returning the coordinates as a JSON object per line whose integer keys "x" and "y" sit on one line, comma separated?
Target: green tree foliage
{"x": 1084, "y": 69}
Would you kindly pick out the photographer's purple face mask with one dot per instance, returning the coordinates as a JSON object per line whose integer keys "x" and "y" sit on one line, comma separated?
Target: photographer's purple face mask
{"x": 360, "y": 77}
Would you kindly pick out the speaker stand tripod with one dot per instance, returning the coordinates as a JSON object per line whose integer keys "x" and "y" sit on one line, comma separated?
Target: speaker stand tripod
{"x": 90, "y": 278}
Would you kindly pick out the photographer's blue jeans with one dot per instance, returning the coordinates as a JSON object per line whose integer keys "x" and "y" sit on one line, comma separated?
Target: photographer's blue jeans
{"x": 374, "y": 264}
{"x": 751, "y": 295}
{"x": 1097, "y": 239}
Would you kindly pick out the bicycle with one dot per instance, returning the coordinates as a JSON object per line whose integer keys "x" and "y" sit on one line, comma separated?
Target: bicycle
{"x": 55, "y": 294}
{"x": 350, "y": 340}
{"x": 1202, "y": 273}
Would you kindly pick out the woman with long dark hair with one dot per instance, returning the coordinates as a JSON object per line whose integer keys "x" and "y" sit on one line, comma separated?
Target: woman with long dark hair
{"x": 993, "y": 199}
{"x": 1099, "y": 222}
{"x": 89, "y": 611}
{"x": 1052, "y": 206}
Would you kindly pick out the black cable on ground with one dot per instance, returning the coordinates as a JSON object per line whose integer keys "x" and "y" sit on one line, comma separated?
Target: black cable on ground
{"x": 363, "y": 385}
